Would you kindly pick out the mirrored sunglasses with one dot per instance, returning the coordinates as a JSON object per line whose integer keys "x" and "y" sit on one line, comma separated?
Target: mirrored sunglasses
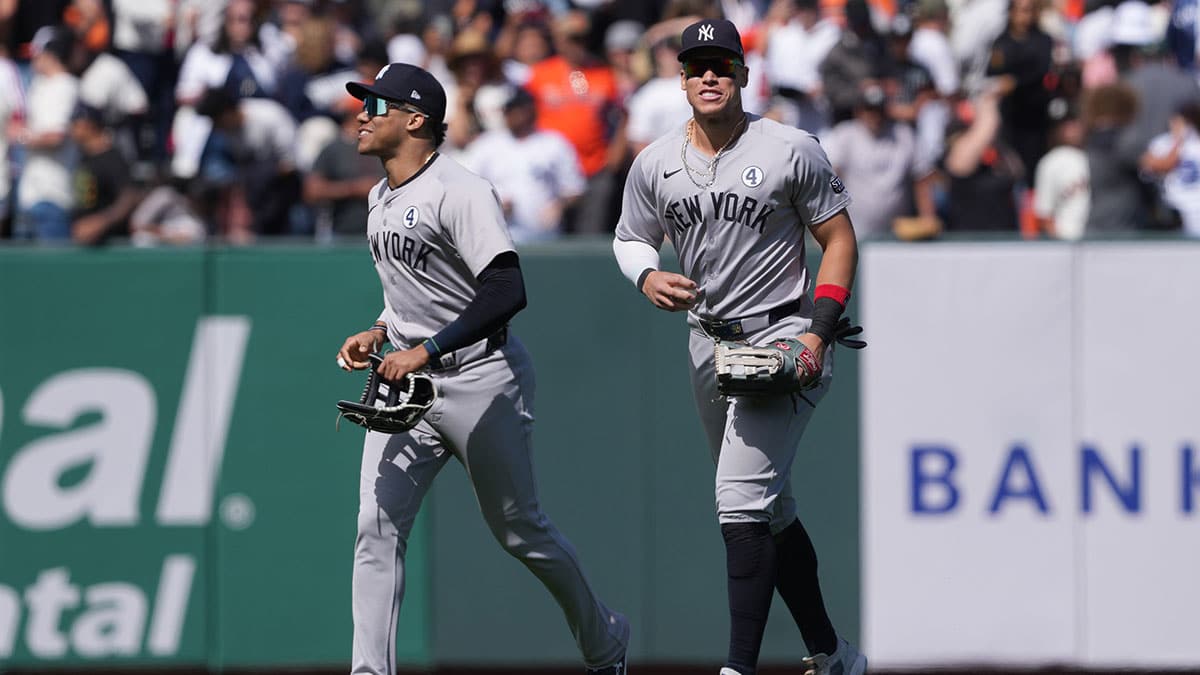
{"x": 375, "y": 106}
{"x": 721, "y": 67}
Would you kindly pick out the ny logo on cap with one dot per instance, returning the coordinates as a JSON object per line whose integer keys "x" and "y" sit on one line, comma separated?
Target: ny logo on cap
{"x": 415, "y": 96}
{"x": 706, "y": 31}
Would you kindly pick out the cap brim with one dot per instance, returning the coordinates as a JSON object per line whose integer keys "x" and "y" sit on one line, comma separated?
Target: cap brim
{"x": 683, "y": 55}
{"x": 361, "y": 91}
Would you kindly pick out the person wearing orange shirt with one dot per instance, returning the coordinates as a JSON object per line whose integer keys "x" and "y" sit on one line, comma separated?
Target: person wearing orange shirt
{"x": 577, "y": 96}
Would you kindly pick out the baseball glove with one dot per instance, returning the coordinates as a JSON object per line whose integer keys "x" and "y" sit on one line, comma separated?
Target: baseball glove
{"x": 390, "y": 407}
{"x": 785, "y": 366}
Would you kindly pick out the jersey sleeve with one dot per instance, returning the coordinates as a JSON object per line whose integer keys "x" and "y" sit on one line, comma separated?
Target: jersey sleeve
{"x": 639, "y": 219}
{"x": 474, "y": 221}
{"x": 818, "y": 193}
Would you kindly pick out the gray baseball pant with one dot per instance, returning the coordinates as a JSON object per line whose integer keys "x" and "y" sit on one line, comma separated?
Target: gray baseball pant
{"x": 484, "y": 418}
{"x": 753, "y": 440}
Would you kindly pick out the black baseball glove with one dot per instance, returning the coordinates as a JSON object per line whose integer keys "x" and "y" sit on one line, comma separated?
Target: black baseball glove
{"x": 390, "y": 407}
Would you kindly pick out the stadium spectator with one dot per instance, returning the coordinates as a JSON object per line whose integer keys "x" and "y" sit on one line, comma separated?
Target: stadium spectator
{"x": 621, "y": 41}
{"x": 235, "y": 62}
{"x": 577, "y": 96}
{"x": 165, "y": 216}
{"x": 1020, "y": 63}
{"x": 909, "y": 85}
{"x": 930, "y": 45}
{"x": 877, "y": 156}
{"x": 536, "y": 172}
{"x": 142, "y": 34}
{"x": 982, "y": 171}
{"x": 1175, "y": 157}
{"x": 475, "y": 97}
{"x": 12, "y": 107}
{"x": 797, "y": 41}
{"x": 529, "y": 38}
{"x": 44, "y": 195}
{"x": 105, "y": 193}
{"x": 250, "y": 158}
{"x": 859, "y": 54}
{"x": 341, "y": 179}
{"x": 657, "y": 107}
{"x": 1117, "y": 203}
{"x": 20, "y": 22}
{"x": 1062, "y": 187}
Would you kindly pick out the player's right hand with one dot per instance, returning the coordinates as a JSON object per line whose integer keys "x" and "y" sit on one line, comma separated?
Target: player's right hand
{"x": 355, "y": 350}
{"x": 670, "y": 291}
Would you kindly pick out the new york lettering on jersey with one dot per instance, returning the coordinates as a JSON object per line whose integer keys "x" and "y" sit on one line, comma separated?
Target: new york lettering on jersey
{"x": 397, "y": 232}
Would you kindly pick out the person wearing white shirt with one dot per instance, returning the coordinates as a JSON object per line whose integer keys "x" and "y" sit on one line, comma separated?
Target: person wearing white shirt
{"x": 1062, "y": 183}
{"x": 1175, "y": 156}
{"x": 12, "y": 104}
{"x": 930, "y": 46}
{"x": 235, "y": 62}
{"x": 536, "y": 173}
{"x": 656, "y": 107}
{"x": 251, "y": 157}
{"x": 796, "y": 46}
{"x": 44, "y": 193}
{"x": 108, "y": 84}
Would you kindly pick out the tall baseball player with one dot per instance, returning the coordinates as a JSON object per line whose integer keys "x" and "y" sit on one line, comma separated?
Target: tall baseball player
{"x": 734, "y": 194}
{"x": 451, "y": 282}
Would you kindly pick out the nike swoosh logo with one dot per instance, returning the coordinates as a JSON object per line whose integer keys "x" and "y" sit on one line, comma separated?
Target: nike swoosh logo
{"x": 668, "y": 174}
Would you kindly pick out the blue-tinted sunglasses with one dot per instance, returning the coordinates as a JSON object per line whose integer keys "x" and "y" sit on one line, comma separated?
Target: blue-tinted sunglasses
{"x": 375, "y": 106}
{"x": 721, "y": 67}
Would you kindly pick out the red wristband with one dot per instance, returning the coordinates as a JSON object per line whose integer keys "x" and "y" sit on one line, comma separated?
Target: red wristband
{"x": 833, "y": 292}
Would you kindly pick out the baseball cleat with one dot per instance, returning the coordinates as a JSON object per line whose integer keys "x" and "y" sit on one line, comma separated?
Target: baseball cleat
{"x": 729, "y": 671}
{"x": 846, "y": 660}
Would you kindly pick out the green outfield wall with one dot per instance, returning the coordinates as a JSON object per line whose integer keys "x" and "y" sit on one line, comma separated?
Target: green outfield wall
{"x": 175, "y": 493}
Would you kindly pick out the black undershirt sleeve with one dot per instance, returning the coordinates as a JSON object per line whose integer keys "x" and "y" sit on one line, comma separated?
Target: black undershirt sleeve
{"x": 500, "y": 296}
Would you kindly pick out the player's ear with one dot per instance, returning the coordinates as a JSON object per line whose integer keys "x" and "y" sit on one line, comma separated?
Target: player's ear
{"x": 682, "y": 80}
{"x": 743, "y": 76}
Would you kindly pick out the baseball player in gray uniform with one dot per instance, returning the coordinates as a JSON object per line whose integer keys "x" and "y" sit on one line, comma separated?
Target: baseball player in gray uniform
{"x": 451, "y": 282}
{"x": 734, "y": 194}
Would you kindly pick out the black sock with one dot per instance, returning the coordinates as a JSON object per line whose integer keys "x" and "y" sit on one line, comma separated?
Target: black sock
{"x": 796, "y": 579}
{"x": 750, "y": 562}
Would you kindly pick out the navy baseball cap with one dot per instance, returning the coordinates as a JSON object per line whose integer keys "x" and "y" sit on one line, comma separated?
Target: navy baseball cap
{"x": 405, "y": 83}
{"x": 711, "y": 34}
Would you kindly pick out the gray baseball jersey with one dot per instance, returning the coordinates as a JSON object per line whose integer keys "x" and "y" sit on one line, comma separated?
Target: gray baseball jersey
{"x": 742, "y": 239}
{"x": 430, "y": 238}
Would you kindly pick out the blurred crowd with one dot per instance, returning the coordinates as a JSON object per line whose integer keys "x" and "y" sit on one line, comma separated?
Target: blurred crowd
{"x": 178, "y": 121}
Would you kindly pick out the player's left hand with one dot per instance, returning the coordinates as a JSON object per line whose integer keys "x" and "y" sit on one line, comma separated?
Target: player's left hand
{"x": 815, "y": 345}
{"x": 399, "y": 363}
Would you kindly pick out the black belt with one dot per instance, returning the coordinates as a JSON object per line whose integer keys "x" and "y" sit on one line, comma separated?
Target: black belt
{"x": 734, "y": 329}
{"x": 471, "y": 352}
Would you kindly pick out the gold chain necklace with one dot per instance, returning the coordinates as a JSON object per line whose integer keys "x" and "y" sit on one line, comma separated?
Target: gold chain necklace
{"x": 710, "y": 171}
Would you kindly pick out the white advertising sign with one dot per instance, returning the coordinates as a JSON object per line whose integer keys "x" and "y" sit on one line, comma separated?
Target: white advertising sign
{"x": 1029, "y": 481}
